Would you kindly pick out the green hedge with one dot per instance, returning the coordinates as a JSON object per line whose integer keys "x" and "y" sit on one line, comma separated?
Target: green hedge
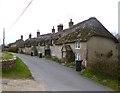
{"x": 13, "y": 49}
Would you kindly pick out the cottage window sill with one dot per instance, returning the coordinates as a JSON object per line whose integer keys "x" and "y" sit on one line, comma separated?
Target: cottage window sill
{"x": 77, "y": 48}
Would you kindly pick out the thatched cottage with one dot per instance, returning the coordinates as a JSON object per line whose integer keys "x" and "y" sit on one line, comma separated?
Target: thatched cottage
{"x": 84, "y": 40}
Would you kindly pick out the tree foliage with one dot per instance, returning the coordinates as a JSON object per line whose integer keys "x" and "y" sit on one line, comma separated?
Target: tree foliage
{"x": 13, "y": 49}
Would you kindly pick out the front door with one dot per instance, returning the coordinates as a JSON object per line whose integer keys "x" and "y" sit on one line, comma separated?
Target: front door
{"x": 47, "y": 52}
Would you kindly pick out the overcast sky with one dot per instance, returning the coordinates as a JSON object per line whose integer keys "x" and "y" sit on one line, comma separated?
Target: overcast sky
{"x": 44, "y": 14}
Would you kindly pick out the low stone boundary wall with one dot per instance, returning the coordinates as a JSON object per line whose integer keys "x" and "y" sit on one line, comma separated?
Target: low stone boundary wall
{"x": 8, "y": 64}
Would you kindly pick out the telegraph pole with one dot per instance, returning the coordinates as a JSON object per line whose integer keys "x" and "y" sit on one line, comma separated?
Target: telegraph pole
{"x": 3, "y": 39}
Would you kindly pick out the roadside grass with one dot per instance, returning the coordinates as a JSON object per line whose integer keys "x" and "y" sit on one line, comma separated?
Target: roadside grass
{"x": 54, "y": 59}
{"x": 5, "y": 55}
{"x": 57, "y": 60}
{"x": 20, "y": 71}
{"x": 0, "y": 55}
{"x": 67, "y": 64}
{"x": 102, "y": 79}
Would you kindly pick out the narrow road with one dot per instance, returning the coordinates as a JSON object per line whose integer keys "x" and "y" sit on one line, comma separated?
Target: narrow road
{"x": 56, "y": 77}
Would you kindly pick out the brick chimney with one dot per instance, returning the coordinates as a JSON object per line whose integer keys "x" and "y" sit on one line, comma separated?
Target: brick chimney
{"x": 21, "y": 37}
{"x": 60, "y": 27}
{"x": 38, "y": 33}
{"x": 30, "y": 35}
{"x": 71, "y": 23}
{"x": 53, "y": 30}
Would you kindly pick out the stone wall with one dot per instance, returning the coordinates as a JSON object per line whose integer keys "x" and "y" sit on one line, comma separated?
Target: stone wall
{"x": 8, "y": 64}
{"x": 28, "y": 50}
{"x": 57, "y": 51}
{"x": 41, "y": 50}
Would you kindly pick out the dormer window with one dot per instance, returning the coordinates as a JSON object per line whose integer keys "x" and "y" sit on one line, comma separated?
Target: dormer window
{"x": 77, "y": 44}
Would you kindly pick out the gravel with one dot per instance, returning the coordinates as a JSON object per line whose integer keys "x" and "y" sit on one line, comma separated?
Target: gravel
{"x": 21, "y": 85}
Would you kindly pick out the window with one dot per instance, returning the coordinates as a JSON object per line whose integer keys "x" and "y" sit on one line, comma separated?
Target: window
{"x": 52, "y": 42}
{"x": 77, "y": 56}
{"x": 78, "y": 45}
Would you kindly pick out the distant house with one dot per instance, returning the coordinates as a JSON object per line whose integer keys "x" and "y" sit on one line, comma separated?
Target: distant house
{"x": 18, "y": 44}
{"x": 85, "y": 40}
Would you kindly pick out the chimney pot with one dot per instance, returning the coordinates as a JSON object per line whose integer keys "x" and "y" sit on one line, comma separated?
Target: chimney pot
{"x": 30, "y": 35}
{"x": 60, "y": 27}
{"x": 71, "y": 23}
{"x": 53, "y": 30}
{"x": 21, "y": 37}
{"x": 38, "y": 33}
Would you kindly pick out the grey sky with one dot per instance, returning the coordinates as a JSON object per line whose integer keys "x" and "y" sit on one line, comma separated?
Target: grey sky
{"x": 119, "y": 17}
{"x": 43, "y": 14}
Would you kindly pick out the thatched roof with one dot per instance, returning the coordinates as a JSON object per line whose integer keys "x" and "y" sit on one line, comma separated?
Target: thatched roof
{"x": 81, "y": 31}
{"x": 31, "y": 42}
{"x": 19, "y": 43}
{"x": 44, "y": 38}
{"x": 84, "y": 30}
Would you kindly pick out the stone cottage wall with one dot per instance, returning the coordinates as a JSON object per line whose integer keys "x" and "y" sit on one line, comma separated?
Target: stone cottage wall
{"x": 27, "y": 50}
{"x": 53, "y": 52}
{"x": 100, "y": 46}
{"x": 41, "y": 49}
{"x": 82, "y": 51}
{"x": 56, "y": 51}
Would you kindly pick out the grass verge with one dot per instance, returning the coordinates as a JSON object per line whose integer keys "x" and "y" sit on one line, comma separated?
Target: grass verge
{"x": 20, "y": 71}
{"x": 54, "y": 59}
{"x": 5, "y": 55}
{"x": 102, "y": 79}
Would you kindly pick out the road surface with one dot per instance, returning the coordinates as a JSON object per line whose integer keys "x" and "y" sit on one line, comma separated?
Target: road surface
{"x": 56, "y": 77}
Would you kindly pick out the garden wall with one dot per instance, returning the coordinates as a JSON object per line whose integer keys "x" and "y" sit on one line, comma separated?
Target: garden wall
{"x": 8, "y": 64}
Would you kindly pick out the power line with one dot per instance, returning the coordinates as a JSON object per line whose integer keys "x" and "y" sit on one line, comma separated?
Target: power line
{"x": 21, "y": 14}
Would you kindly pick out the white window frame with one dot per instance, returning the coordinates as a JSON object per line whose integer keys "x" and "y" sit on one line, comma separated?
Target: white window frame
{"x": 52, "y": 42}
{"x": 77, "y": 56}
{"x": 77, "y": 45}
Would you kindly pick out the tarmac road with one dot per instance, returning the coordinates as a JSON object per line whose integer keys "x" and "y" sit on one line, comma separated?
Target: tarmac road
{"x": 56, "y": 77}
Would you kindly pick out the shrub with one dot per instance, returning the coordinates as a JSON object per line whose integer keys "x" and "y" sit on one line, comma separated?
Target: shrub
{"x": 105, "y": 66}
{"x": 13, "y": 49}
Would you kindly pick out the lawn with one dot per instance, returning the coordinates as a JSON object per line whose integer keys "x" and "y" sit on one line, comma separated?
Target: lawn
{"x": 5, "y": 55}
{"x": 102, "y": 79}
{"x": 19, "y": 72}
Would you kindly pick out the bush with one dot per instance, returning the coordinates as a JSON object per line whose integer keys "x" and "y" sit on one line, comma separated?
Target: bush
{"x": 13, "y": 49}
{"x": 105, "y": 66}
